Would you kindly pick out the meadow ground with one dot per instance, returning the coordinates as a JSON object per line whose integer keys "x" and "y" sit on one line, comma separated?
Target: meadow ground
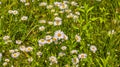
{"x": 57, "y": 33}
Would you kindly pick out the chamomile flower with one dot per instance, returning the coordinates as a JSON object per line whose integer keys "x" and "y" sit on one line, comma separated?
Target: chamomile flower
{"x": 59, "y": 34}
{"x": 42, "y": 21}
{"x": 49, "y": 41}
{"x": 42, "y": 41}
{"x": 73, "y": 3}
{"x": 65, "y": 37}
{"x": 111, "y": 32}
{"x": 61, "y": 12}
{"x": 54, "y": 38}
{"x": 12, "y": 51}
{"x": 48, "y": 37}
{"x": 10, "y": 11}
{"x": 39, "y": 53}
{"x": 0, "y": 55}
{"x": 24, "y": 18}
{"x": 63, "y": 47}
{"x": 30, "y": 59}
{"x": 0, "y": 2}
{"x": 22, "y": 48}
{"x": 55, "y": 14}
{"x": 5, "y": 64}
{"x": 57, "y": 3}
{"x": 15, "y": 55}
{"x": 50, "y": 22}
{"x": 29, "y": 49}
{"x": 74, "y": 51}
{"x": 49, "y": 6}
{"x": 61, "y": 54}
{"x": 77, "y": 13}
{"x": 70, "y": 15}
{"x": 75, "y": 60}
{"x": 41, "y": 28}
{"x": 53, "y": 59}
{"x": 93, "y": 48}
{"x": 63, "y": 6}
{"x": 82, "y": 55}
{"x": 77, "y": 38}
{"x": 7, "y": 60}
{"x": 58, "y": 21}
{"x": 18, "y": 41}
{"x": 75, "y": 17}
{"x": 23, "y": 1}
{"x": 66, "y": 2}
{"x": 6, "y": 38}
{"x": 15, "y": 12}
{"x": 27, "y": 4}
{"x": 43, "y": 4}
{"x": 68, "y": 11}
{"x": 52, "y": 10}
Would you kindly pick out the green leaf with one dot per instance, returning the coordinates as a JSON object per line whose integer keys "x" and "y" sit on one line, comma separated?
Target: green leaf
{"x": 75, "y": 27}
{"x": 93, "y": 19}
{"x": 90, "y": 9}
{"x": 82, "y": 10}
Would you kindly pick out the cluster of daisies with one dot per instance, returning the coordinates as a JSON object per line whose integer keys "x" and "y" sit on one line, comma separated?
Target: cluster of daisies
{"x": 58, "y": 37}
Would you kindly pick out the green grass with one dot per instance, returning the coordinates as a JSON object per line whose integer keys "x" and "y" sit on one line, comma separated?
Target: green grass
{"x": 96, "y": 19}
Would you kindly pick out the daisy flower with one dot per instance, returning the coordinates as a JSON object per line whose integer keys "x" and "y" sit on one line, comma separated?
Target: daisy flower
{"x": 65, "y": 37}
{"x": 93, "y": 48}
{"x": 74, "y": 52}
{"x": 43, "y": 4}
{"x": 63, "y": 47}
{"x": 10, "y": 11}
{"x": 53, "y": 59}
{"x": 15, "y": 12}
{"x": 23, "y": 1}
{"x": 77, "y": 38}
{"x": 49, "y": 41}
{"x": 15, "y": 55}
{"x": 75, "y": 60}
{"x": 7, "y": 60}
{"x": 50, "y": 22}
{"x": 42, "y": 41}
{"x": 54, "y": 38}
{"x": 22, "y": 48}
{"x": 0, "y": 56}
{"x": 42, "y": 21}
{"x": 12, "y": 51}
{"x": 63, "y": 6}
{"x": 48, "y": 37}
{"x": 73, "y": 3}
{"x": 82, "y": 55}
{"x": 41, "y": 28}
{"x": 58, "y": 21}
{"x": 59, "y": 34}
{"x": 49, "y": 6}
{"x": 30, "y": 59}
{"x": 61, "y": 54}
{"x": 28, "y": 49}
{"x": 18, "y": 41}
{"x": 24, "y": 18}
{"x": 39, "y": 53}
{"x": 27, "y": 4}
{"x": 6, "y": 38}
{"x": 5, "y": 63}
